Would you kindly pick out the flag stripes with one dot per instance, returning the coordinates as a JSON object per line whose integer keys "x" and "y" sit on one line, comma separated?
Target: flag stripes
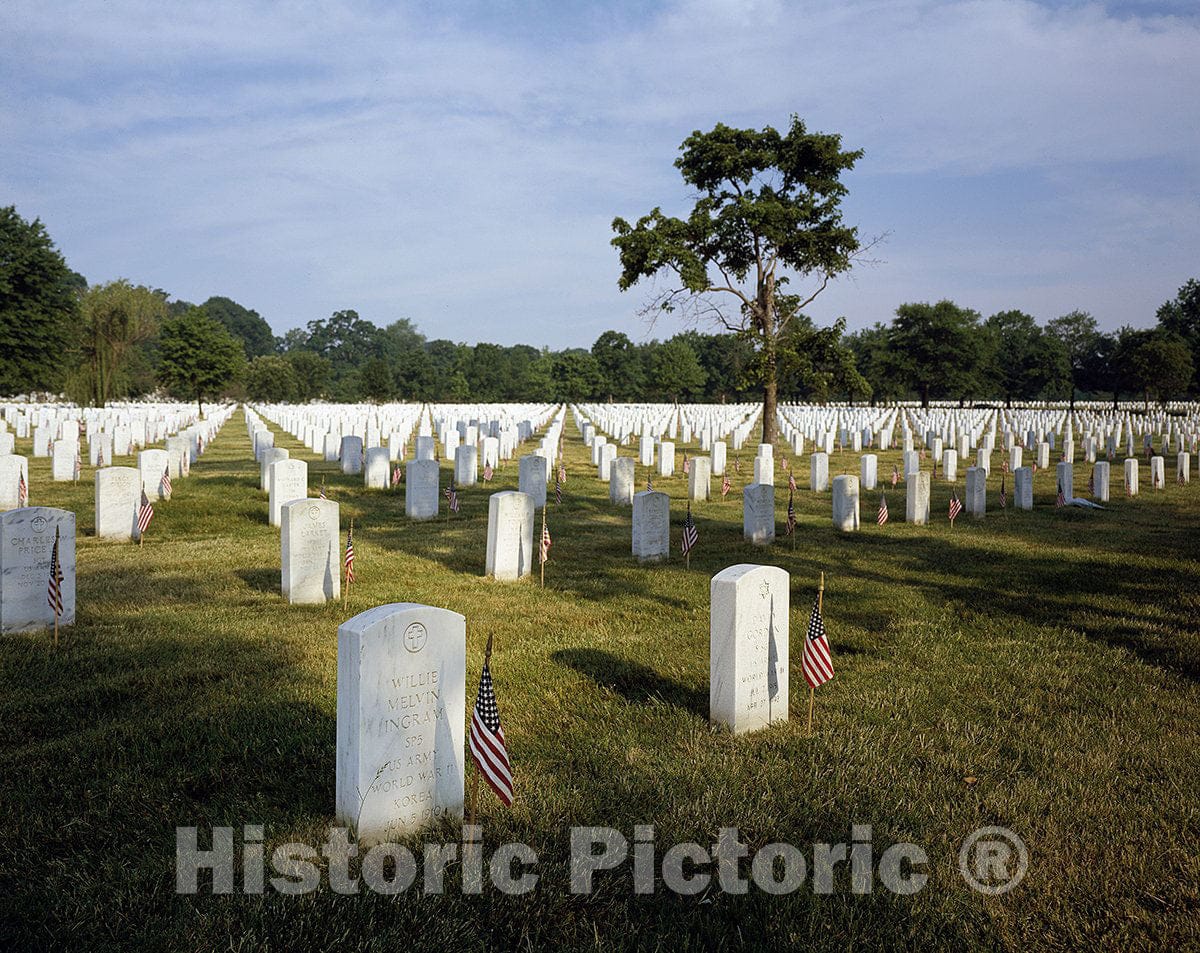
{"x": 817, "y": 661}
{"x": 488, "y": 749}
{"x": 690, "y": 534}
{"x": 54, "y": 586}
{"x": 145, "y": 514}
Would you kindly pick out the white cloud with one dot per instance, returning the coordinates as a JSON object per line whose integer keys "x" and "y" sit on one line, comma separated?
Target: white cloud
{"x": 307, "y": 157}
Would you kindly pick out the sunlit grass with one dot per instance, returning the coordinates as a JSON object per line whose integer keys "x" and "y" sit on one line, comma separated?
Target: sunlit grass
{"x": 1050, "y": 656}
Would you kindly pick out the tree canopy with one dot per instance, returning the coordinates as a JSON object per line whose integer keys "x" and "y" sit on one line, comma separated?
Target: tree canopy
{"x": 39, "y": 307}
{"x": 247, "y": 326}
{"x": 769, "y": 211}
{"x": 198, "y": 355}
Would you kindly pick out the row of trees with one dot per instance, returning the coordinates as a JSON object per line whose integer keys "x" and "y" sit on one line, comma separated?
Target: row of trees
{"x": 942, "y": 351}
{"x": 118, "y": 340}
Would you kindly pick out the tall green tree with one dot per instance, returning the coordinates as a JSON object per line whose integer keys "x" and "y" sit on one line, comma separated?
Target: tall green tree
{"x": 1080, "y": 339}
{"x": 346, "y": 341}
{"x": 621, "y": 366}
{"x": 312, "y": 373}
{"x": 1021, "y": 361}
{"x": 376, "y": 382}
{"x": 272, "y": 379}
{"x": 676, "y": 371}
{"x": 815, "y": 363}
{"x": 937, "y": 349}
{"x": 39, "y": 307}
{"x": 1155, "y": 363}
{"x": 575, "y": 376}
{"x": 883, "y": 368}
{"x": 246, "y": 325}
{"x": 117, "y": 317}
{"x": 769, "y": 210}
{"x": 198, "y": 356}
{"x": 1181, "y": 316}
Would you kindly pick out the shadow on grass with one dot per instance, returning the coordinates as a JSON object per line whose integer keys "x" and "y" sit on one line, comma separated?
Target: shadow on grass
{"x": 637, "y": 683}
{"x": 261, "y": 580}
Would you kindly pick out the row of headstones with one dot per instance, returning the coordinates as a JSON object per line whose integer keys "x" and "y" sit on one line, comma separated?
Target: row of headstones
{"x": 117, "y": 429}
{"x": 326, "y": 430}
{"x": 310, "y": 528}
{"x": 624, "y": 422}
{"x": 118, "y": 490}
{"x": 310, "y": 544}
{"x": 401, "y": 697}
{"x": 375, "y": 462}
{"x": 1097, "y": 429}
{"x": 181, "y": 450}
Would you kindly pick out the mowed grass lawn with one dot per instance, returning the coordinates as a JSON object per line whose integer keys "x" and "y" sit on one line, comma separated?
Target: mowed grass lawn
{"x": 1037, "y": 672}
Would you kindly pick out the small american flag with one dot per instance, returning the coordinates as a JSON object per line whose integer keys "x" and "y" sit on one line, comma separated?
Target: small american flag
{"x": 488, "y": 750}
{"x": 737, "y": 464}
{"x": 322, "y": 488}
{"x": 784, "y": 464}
{"x": 452, "y": 496}
{"x": 22, "y": 490}
{"x": 817, "y": 661}
{"x": 1092, "y": 483}
{"x": 165, "y": 483}
{"x": 562, "y": 474}
{"x": 687, "y": 464}
{"x": 690, "y": 535}
{"x": 1003, "y": 494}
{"x": 895, "y": 475}
{"x": 487, "y": 473}
{"x": 1110, "y": 453}
{"x": 349, "y": 560}
{"x": 1004, "y": 467}
{"x": 1179, "y": 476}
{"x": 78, "y": 465}
{"x": 54, "y": 587}
{"x": 649, "y": 485}
{"x": 922, "y": 453}
{"x": 558, "y": 492}
{"x": 396, "y": 475}
{"x": 145, "y": 514}
{"x": 791, "y": 515}
{"x": 545, "y": 546}
{"x": 883, "y": 510}
{"x": 1060, "y": 500}
{"x": 791, "y": 483}
{"x": 955, "y": 505}
{"x": 726, "y": 486}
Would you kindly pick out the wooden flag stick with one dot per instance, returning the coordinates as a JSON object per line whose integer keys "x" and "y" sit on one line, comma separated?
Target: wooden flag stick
{"x": 812, "y": 692}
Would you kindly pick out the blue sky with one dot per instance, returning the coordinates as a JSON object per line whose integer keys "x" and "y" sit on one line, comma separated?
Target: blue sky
{"x": 460, "y": 165}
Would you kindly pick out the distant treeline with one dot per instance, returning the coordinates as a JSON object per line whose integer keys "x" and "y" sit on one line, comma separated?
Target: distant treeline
{"x": 123, "y": 340}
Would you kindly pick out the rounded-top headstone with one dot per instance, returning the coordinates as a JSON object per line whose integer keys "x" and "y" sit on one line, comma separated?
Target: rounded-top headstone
{"x": 401, "y": 709}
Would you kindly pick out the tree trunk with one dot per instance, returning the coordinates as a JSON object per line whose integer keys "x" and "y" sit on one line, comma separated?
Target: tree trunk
{"x": 770, "y": 429}
{"x": 200, "y": 402}
{"x": 924, "y": 395}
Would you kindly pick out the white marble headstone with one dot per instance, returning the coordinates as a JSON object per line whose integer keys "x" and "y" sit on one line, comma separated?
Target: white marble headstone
{"x": 25, "y": 550}
{"x": 401, "y": 713}
{"x": 748, "y": 647}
